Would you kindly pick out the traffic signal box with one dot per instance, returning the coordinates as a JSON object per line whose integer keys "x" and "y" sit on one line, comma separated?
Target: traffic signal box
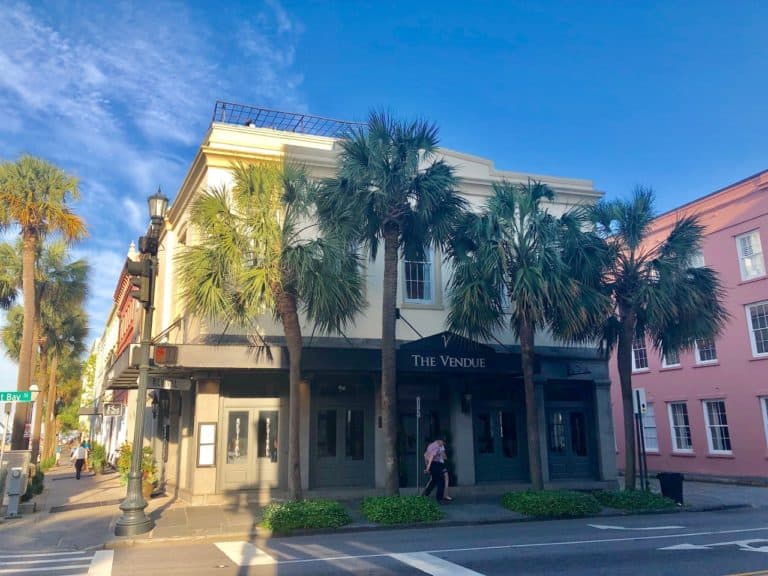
{"x": 141, "y": 279}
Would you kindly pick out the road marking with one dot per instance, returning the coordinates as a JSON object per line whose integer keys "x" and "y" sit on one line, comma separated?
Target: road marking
{"x": 245, "y": 554}
{"x": 745, "y": 545}
{"x": 433, "y": 565}
{"x": 101, "y": 565}
{"x": 78, "y": 553}
{"x": 610, "y": 527}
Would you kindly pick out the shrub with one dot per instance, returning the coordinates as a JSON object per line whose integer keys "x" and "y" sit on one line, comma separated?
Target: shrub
{"x": 97, "y": 457}
{"x": 400, "y": 509}
{"x": 47, "y": 463}
{"x": 633, "y": 500}
{"x": 34, "y": 486}
{"x": 148, "y": 466}
{"x": 551, "y": 504}
{"x": 287, "y": 516}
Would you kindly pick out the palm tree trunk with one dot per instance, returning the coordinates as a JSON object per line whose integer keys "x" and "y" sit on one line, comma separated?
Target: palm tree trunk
{"x": 37, "y": 421}
{"x": 286, "y": 305}
{"x": 27, "y": 351}
{"x": 50, "y": 410}
{"x": 624, "y": 361}
{"x": 531, "y": 411}
{"x": 388, "y": 365}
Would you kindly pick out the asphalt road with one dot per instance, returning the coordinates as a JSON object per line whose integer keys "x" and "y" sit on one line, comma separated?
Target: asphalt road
{"x": 715, "y": 543}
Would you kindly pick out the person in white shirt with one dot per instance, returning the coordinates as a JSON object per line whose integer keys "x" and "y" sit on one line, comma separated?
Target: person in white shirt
{"x": 79, "y": 456}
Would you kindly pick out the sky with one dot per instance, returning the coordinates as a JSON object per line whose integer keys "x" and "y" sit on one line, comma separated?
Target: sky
{"x": 666, "y": 94}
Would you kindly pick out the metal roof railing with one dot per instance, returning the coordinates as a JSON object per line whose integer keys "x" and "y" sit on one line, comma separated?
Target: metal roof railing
{"x": 255, "y": 117}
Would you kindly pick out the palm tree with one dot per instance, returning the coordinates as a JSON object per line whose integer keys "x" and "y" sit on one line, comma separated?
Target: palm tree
{"x": 34, "y": 196}
{"x": 259, "y": 252}
{"x": 655, "y": 292}
{"x": 60, "y": 285}
{"x": 517, "y": 264}
{"x": 391, "y": 186}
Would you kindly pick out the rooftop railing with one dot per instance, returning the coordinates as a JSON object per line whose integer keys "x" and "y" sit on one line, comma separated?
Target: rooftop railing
{"x": 255, "y": 117}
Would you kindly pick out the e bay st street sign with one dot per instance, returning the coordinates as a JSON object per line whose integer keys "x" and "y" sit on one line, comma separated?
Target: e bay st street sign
{"x": 16, "y": 396}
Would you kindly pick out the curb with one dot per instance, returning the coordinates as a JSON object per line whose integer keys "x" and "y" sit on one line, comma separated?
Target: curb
{"x": 116, "y": 543}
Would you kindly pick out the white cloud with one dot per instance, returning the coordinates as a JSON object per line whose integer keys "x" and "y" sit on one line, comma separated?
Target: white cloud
{"x": 121, "y": 94}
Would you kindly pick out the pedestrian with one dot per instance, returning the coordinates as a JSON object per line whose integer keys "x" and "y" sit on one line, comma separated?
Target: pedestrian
{"x": 79, "y": 456}
{"x": 434, "y": 459}
{"x": 58, "y": 454}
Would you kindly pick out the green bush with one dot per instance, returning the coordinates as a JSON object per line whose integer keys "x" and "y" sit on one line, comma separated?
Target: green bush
{"x": 287, "y": 516}
{"x": 633, "y": 500}
{"x": 400, "y": 509}
{"x": 97, "y": 457}
{"x": 47, "y": 463}
{"x": 34, "y": 486}
{"x": 551, "y": 504}
{"x": 148, "y": 466}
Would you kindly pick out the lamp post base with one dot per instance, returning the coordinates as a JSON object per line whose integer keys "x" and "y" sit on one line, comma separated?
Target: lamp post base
{"x": 133, "y": 521}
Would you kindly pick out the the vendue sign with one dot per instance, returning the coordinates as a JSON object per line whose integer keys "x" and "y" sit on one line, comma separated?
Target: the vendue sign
{"x": 445, "y": 352}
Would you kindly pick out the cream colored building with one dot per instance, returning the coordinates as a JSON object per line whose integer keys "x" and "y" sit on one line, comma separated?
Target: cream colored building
{"x": 220, "y": 417}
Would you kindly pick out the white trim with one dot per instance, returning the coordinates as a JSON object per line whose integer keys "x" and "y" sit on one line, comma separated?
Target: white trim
{"x": 635, "y": 368}
{"x": 650, "y": 414}
{"x": 697, "y": 356}
{"x": 430, "y": 279}
{"x": 751, "y": 329}
{"x": 664, "y": 363}
{"x": 672, "y": 435}
{"x": 764, "y": 411}
{"x": 709, "y": 426}
{"x": 757, "y": 255}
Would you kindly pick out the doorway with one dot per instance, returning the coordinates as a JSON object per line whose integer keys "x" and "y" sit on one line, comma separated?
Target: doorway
{"x": 501, "y": 452}
{"x": 570, "y": 442}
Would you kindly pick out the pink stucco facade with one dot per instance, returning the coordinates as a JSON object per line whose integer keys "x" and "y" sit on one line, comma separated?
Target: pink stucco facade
{"x": 725, "y": 398}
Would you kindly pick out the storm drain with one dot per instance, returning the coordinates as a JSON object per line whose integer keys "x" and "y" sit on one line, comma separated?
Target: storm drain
{"x": 69, "y": 507}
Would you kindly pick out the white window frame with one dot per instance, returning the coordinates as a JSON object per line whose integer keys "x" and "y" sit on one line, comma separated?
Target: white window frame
{"x": 672, "y": 428}
{"x": 712, "y": 425}
{"x": 636, "y": 348}
{"x": 752, "y": 330}
{"x": 665, "y": 364}
{"x": 698, "y": 352}
{"x": 649, "y": 423}
{"x": 756, "y": 266}
{"x": 430, "y": 278}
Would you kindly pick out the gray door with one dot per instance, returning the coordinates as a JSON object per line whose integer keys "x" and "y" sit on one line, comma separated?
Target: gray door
{"x": 501, "y": 453}
{"x": 570, "y": 444}
{"x": 341, "y": 445}
{"x": 250, "y": 455}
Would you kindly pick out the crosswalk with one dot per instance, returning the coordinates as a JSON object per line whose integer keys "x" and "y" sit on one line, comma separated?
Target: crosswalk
{"x": 246, "y": 554}
{"x": 75, "y": 563}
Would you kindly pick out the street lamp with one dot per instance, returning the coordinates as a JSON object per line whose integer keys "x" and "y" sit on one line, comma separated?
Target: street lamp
{"x": 134, "y": 521}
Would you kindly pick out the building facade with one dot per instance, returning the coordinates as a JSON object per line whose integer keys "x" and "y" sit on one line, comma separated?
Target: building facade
{"x": 707, "y": 409}
{"x": 220, "y": 425}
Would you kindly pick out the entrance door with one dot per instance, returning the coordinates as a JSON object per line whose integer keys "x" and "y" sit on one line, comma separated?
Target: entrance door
{"x": 342, "y": 446}
{"x": 571, "y": 454}
{"x": 501, "y": 454}
{"x": 249, "y": 445}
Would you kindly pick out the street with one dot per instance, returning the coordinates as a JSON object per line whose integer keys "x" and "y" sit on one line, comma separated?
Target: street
{"x": 716, "y": 543}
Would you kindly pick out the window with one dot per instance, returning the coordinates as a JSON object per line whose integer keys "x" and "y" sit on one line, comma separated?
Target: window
{"x": 419, "y": 283}
{"x": 326, "y": 434}
{"x": 266, "y": 435}
{"x": 639, "y": 355}
{"x": 705, "y": 351}
{"x": 355, "y": 435}
{"x": 718, "y": 437}
{"x": 671, "y": 359}
{"x": 680, "y": 427}
{"x": 764, "y": 410}
{"x": 750, "y": 255}
{"x": 649, "y": 428}
{"x": 757, "y": 316}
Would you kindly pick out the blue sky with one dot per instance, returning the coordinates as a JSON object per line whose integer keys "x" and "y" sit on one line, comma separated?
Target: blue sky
{"x": 666, "y": 94}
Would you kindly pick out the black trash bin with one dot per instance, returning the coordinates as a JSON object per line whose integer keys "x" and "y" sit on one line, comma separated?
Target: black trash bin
{"x": 671, "y": 484}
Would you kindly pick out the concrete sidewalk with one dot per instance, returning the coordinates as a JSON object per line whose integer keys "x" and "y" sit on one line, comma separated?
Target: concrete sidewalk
{"x": 80, "y": 514}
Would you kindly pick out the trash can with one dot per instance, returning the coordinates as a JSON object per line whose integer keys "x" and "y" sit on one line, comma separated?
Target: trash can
{"x": 671, "y": 484}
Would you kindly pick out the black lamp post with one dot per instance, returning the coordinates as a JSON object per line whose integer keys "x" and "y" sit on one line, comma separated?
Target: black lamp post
{"x": 134, "y": 521}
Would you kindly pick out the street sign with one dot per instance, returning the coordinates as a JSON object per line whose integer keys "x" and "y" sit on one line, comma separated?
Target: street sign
{"x": 113, "y": 409}
{"x": 16, "y": 396}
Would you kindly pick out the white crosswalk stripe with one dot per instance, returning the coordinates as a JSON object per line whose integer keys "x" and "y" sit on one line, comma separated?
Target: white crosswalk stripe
{"x": 433, "y": 565}
{"x": 76, "y": 563}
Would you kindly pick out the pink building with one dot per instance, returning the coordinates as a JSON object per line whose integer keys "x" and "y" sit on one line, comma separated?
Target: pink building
{"x": 707, "y": 409}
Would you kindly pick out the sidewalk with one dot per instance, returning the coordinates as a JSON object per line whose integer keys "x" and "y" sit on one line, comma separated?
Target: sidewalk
{"x": 80, "y": 514}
